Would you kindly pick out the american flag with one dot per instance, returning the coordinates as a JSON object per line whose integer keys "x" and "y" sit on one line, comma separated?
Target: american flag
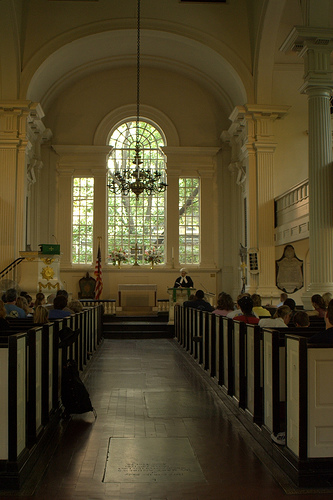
{"x": 98, "y": 274}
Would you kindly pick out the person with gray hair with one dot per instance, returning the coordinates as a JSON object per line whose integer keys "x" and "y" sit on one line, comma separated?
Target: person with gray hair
{"x": 280, "y": 319}
{"x": 11, "y": 308}
{"x": 183, "y": 281}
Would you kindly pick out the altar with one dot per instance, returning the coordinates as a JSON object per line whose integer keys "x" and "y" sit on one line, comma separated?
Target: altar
{"x": 137, "y": 298}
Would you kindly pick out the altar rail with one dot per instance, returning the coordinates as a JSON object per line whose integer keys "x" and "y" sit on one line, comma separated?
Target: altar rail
{"x": 109, "y": 306}
{"x": 275, "y": 380}
{"x": 30, "y": 386}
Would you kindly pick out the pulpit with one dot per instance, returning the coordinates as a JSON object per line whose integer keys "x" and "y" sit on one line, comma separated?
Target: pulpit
{"x": 40, "y": 272}
{"x": 178, "y": 296}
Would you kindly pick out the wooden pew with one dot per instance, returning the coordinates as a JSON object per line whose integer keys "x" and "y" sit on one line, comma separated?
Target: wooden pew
{"x": 274, "y": 381}
{"x": 309, "y": 447}
{"x": 13, "y": 396}
{"x": 254, "y": 374}
{"x": 238, "y": 363}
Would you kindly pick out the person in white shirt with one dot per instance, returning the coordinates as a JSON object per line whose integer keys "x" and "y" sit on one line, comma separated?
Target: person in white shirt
{"x": 237, "y": 311}
{"x": 283, "y": 297}
{"x": 280, "y": 319}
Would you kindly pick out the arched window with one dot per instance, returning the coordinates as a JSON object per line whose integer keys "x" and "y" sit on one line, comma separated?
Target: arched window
{"x": 136, "y": 225}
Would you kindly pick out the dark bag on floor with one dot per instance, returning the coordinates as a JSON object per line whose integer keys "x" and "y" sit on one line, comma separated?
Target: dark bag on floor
{"x": 74, "y": 395}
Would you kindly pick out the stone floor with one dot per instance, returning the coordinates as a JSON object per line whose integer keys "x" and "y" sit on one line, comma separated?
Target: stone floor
{"x": 162, "y": 433}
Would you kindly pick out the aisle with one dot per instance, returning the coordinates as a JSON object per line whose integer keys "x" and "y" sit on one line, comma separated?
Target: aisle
{"x": 161, "y": 433}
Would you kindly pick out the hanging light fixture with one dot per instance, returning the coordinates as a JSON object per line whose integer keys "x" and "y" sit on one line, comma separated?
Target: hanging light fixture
{"x": 137, "y": 175}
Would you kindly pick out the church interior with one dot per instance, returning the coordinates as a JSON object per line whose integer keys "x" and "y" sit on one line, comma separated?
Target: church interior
{"x": 232, "y": 103}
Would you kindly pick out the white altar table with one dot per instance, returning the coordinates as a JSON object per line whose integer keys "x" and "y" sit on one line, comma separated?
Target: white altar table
{"x": 135, "y": 296}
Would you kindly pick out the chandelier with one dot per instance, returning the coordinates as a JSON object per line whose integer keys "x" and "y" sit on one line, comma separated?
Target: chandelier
{"x": 137, "y": 174}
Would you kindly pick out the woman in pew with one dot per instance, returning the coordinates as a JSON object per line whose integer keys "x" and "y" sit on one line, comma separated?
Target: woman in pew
{"x": 41, "y": 315}
{"x": 280, "y": 319}
{"x": 40, "y": 299}
{"x": 319, "y": 305}
{"x": 22, "y": 302}
{"x": 225, "y": 304}
{"x": 258, "y": 310}
{"x": 247, "y": 316}
{"x": 325, "y": 337}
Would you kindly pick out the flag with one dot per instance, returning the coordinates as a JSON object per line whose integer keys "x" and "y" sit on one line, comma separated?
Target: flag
{"x": 98, "y": 274}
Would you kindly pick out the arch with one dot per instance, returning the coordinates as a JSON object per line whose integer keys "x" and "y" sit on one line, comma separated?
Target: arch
{"x": 265, "y": 50}
{"x": 103, "y": 131}
{"x": 214, "y": 65}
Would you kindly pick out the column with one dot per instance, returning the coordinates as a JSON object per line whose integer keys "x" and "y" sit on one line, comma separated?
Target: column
{"x": 318, "y": 86}
{"x": 317, "y": 47}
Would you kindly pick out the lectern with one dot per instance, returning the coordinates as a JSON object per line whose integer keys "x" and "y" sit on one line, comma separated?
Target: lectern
{"x": 178, "y": 296}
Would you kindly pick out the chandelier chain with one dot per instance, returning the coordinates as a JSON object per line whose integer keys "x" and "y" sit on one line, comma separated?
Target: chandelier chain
{"x": 138, "y": 77}
{"x": 139, "y": 176}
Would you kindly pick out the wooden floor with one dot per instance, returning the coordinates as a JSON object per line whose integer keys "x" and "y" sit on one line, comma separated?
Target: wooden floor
{"x": 162, "y": 433}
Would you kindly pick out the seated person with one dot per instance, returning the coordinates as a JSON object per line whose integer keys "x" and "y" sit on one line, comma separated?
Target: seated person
{"x": 41, "y": 315}
{"x": 65, "y": 294}
{"x": 247, "y": 316}
{"x": 4, "y": 325}
{"x": 183, "y": 281}
{"x": 280, "y": 319}
{"x": 12, "y": 309}
{"x": 198, "y": 302}
{"x": 301, "y": 319}
{"x": 292, "y": 306}
{"x": 283, "y": 297}
{"x": 58, "y": 311}
{"x": 237, "y": 311}
{"x": 327, "y": 298}
{"x": 258, "y": 310}
{"x": 22, "y": 302}
{"x": 40, "y": 300}
{"x": 319, "y": 305}
{"x": 225, "y": 304}
{"x": 75, "y": 306}
{"x": 50, "y": 299}
{"x": 325, "y": 337}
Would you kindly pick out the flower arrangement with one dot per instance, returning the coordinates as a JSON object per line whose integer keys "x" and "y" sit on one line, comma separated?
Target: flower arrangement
{"x": 153, "y": 256}
{"x": 118, "y": 256}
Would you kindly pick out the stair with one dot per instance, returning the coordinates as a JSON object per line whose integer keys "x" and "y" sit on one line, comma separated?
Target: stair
{"x": 137, "y": 327}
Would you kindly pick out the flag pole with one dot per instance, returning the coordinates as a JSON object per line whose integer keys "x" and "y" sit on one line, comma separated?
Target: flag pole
{"x": 98, "y": 271}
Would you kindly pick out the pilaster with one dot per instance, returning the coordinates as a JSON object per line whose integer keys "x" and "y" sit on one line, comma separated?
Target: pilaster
{"x": 256, "y": 154}
{"x": 20, "y": 128}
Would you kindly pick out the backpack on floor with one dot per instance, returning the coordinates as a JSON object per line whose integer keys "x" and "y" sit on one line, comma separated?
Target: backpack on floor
{"x": 74, "y": 395}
